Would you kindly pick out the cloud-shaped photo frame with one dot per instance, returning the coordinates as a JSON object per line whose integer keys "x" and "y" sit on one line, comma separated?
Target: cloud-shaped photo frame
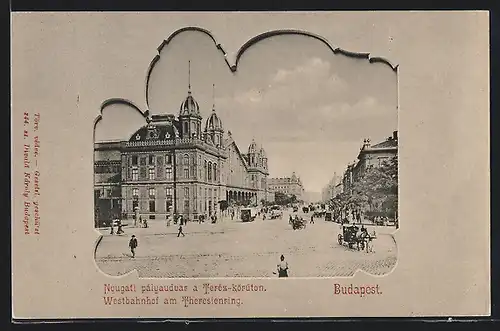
{"x": 123, "y": 195}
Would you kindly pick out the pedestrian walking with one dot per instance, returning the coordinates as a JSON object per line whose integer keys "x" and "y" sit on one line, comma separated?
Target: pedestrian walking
{"x": 312, "y": 219}
{"x": 180, "y": 231}
{"x": 282, "y": 267}
{"x": 120, "y": 229}
{"x": 133, "y": 245}
{"x": 112, "y": 227}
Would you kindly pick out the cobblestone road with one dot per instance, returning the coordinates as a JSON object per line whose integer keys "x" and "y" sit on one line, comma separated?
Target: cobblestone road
{"x": 235, "y": 249}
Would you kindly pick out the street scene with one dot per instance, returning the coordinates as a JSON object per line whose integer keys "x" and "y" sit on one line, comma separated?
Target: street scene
{"x": 232, "y": 248}
{"x": 288, "y": 168}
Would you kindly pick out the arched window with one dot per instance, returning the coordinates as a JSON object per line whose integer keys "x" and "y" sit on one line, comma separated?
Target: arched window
{"x": 209, "y": 170}
{"x": 193, "y": 166}
{"x": 200, "y": 168}
{"x": 206, "y": 171}
{"x": 215, "y": 171}
{"x": 186, "y": 128}
{"x": 186, "y": 159}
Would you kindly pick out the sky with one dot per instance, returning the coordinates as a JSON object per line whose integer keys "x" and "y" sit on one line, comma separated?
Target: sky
{"x": 309, "y": 108}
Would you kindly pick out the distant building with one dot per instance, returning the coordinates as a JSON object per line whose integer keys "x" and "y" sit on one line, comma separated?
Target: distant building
{"x": 270, "y": 197}
{"x": 172, "y": 166}
{"x": 287, "y": 185}
{"x": 332, "y": 189}
{"x": 370, "y": 156}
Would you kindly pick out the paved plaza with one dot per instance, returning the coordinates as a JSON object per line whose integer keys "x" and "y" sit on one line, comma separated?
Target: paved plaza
{"x": 232, "y": 248}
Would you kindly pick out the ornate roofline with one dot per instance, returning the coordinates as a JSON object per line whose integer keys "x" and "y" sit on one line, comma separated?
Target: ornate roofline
{"x": 232, "y": 141}
{"x": 378, "y": 150}
{"x": 249, "y": 43}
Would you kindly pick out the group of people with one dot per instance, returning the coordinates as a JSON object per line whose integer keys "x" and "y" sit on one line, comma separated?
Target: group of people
{"x": 347, "y": 215}
{"x": 380, "y": 220}
{"x": 119, "y": 226}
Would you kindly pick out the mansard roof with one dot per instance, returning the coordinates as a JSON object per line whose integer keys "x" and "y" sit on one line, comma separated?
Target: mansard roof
{"x": 155, "y": 131}
{"x": 386, "y": 144}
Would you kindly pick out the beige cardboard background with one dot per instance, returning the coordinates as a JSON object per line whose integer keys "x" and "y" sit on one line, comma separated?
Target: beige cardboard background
{"x": 64, "y": 65}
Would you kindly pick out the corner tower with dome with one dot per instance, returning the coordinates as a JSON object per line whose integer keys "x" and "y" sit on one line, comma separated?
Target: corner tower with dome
{"x": 175, "y": 165}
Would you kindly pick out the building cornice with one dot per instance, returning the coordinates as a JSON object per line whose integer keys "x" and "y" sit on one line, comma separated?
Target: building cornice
{"x": 377, "y": 150}
{"x": 181, "y": 143}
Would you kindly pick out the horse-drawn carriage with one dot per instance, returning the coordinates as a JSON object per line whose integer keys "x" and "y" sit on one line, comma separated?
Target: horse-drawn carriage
{"x": 298, "y": 223}
{"x": 276, "y": 213}
{"x": 355, "y": 237}
{"x": 248, "y": 214}
{"x": 319, "y": 213}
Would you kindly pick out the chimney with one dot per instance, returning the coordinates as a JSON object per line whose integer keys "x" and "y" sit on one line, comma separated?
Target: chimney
{"x": 395, "y": 135}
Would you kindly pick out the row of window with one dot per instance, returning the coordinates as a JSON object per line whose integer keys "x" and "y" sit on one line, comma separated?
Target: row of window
{"x": 283, "y": 188}
{"x": 104, "y": 169}
{"x": 212, "y": 173}
{"x": 151, "y": 173}
{"x": 258, "y": 161}
{"x": 169, "y": 192}
{"x": 195, "y": 128}
{"x": 168, "y": 204}
{"x": 152, "y": 193}
{"x": 108, "y": 192}
{"x": 152, "y": 160}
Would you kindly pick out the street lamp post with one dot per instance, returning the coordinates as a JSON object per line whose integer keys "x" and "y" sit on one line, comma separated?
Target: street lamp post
{"x": 174, "y": 166}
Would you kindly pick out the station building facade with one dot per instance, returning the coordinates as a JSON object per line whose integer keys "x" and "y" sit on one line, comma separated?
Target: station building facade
{"x": 174, "y": 165}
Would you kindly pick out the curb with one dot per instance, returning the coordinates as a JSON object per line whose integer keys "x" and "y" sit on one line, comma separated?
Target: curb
{"x": 393, "y": 238}
{"x": 97, "y": 245}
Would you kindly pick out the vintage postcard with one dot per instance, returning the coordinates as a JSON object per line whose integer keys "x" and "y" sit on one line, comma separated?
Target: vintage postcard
{"x": 200, "y": 165}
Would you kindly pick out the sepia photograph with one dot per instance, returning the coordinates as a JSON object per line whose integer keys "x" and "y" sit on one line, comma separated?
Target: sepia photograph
{"x": 284, "y": 165}
{"x": 201, "y": 165}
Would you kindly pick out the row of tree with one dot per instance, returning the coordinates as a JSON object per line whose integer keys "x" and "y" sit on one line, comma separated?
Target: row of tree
{"x": 283, "y": 199}
{"x": 374, "y": 193}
